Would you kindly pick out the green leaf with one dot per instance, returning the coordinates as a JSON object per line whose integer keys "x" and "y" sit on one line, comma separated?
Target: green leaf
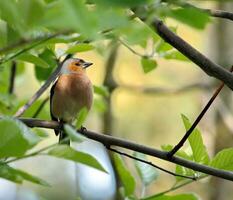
{"x": 73, "y": 134}
{"x": 176, "y": 55}
{"x": 100, "y": 105}
{"x": 80, "y": 48}
{"x": 174, "y": 197}
{"x": 40, "y": 132}
{"x": 43, "y": 73}
{"x": 18, "y": 176}
{"x": 122, "y": 3}
{"x": 146, "y": 172}
{"x": 101, "y": 90}
{"x": 3, "y": 33}
{"x": 15, "y": 138}
{"x": 27, "y": 57}
{"x": 223, "y": 160}
{"x": 200, "y": 154}
{"x": 31, "y": 11}
{"x": 148, "y": 64}
{"x": 82, "y": 115}
{"x": 126, "y": 178}
{"x": 191, "y": 16}
{"x": 66, "y": 152}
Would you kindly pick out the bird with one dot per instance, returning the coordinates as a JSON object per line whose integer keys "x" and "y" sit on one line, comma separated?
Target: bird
{"x": 70, "y": 93}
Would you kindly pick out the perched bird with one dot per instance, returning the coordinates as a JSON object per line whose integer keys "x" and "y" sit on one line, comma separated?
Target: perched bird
{"x": 70, "y": 93}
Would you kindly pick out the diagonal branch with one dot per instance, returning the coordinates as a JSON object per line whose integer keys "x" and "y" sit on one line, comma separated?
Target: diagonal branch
{"x": 114, "y": 141}
{"x": 47, "y": 83}
{"x": 208, "y": 66}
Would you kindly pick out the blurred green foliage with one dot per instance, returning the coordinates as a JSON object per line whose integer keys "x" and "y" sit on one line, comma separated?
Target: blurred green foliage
{"x": 36, "y": 31}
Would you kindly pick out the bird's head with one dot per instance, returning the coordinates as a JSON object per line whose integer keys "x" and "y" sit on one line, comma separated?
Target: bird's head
{"x": 74, "y": 65}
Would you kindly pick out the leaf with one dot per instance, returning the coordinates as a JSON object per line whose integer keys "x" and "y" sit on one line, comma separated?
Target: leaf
{"x": 73, "y": 134}
{"x": 31, "y": 11}
{"x": 3, "y": 33}
{"x": 82, "y": 115}
{"x": 33, "y": 59}
{"x": 100, "y": 105}
{"x": 223, "y": 160}
{"x": 101, "y": 90}
{"x": 40, "y": 132}
{"x": 18, "y": 176}
{"x": 200, "y": 154}
{"x": 175, "y": 55}
{"x": 126, "y": 178}
{"x": 146, "y": 172}
{"x": 66, "y": 152}
{"x": 175, "y": 197}
{"x": 15, "y": 138}
{"x": 191, "y": 16}
{"x": 80, "y": 48}
{"x": 43, "y": 73}
{"x": 148, "y": 64}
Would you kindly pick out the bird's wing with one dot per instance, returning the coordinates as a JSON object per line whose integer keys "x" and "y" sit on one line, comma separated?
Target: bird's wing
{"x": 51, "y": 114}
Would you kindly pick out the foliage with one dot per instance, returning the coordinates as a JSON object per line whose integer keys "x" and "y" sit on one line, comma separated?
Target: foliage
{"x": 41, "y": 32}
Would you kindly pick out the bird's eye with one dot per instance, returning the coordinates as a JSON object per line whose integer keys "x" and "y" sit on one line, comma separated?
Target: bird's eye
{"x": 77, "y": 64}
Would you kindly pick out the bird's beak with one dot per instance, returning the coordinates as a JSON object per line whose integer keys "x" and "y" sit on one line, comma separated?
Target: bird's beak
{"x": 87, "y": 64}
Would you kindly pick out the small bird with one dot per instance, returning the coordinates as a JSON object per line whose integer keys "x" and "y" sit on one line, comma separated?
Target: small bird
{"x": 70, "y": 93}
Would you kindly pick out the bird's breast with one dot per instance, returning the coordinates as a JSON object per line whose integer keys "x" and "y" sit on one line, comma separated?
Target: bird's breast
{"x": 71, "y": 93}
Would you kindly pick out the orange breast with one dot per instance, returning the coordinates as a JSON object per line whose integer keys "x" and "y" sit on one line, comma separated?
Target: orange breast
{"x": 71, "y": 93}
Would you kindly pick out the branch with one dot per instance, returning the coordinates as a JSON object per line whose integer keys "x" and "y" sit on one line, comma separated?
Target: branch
{"x": 12, "y": 78}
{"x": 214, "y": 13}
{"x": 165, "y": 91}
{"x": 198, "y": 119}
{"x": 47, "y": 83}
{"x": 208, "y": 66}
{"x": 150, "y": 163}
{"x": 114, "y": 141}
{"x": 28, "y": 41}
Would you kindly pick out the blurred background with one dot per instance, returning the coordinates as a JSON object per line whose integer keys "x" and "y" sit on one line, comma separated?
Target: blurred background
{"x": 144, "y": 108}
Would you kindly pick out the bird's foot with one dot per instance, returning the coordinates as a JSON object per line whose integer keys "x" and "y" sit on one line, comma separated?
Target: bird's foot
{"x": 83, "y": 129}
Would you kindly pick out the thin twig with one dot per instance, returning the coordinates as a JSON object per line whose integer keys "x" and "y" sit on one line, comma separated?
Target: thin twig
{"x": 28, "y": 41}
{"x": 40, "y": 107}
{"x": 150, "y": 163}
{"x": 165, "y": 91}
{"x": 12, "y": 78}
{"x": 131, "y": 49}
{"x": 114, "y": 141}
{"x": 47, "y": 83}
{"x": 198, "y": 119}
{"x": 214, "y": 13}
{"x": 172, "y": 188}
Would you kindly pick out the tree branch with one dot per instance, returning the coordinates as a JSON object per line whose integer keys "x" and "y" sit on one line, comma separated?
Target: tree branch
{"x": 114, "y": 141}
{"x": 198, "y": 119}
{"x": 28, "y": 41}
{"x": 208, "y": 66}
{"x": 165, "y": 91}
{"x": 151, "y": 164}
{"x": 214, "y": 13}
{"x": 12, "y": 78}
{"x": 47, "y": 83}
